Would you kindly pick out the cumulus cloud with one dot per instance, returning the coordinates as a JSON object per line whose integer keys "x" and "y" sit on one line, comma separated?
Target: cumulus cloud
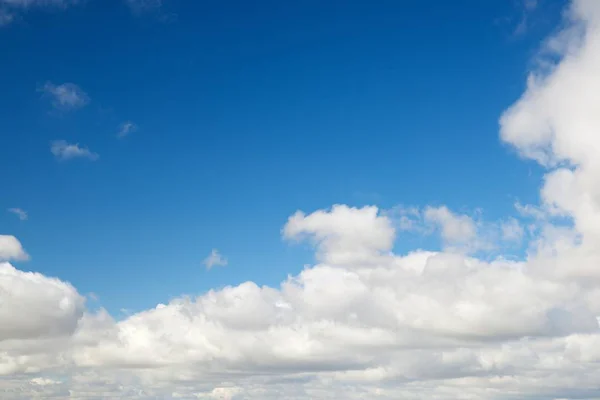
{"x": 68, "y": 151}
{"x": 20, "y": 213}
{"x": 126, "y": 128}
{"x": 11, "y": 249}
{"x": 215, "y": 259}
{"x": 66, "y": 96}
{"x": 365, "y": 322}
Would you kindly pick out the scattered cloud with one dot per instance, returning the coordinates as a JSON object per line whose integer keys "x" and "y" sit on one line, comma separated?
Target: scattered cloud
{"x": 215, "y": 259}
{"x": 22, "y": 214}
{"x": 126, "y": 128}
{"x": 66, "y": 97}
{"x": 67, "y": 151}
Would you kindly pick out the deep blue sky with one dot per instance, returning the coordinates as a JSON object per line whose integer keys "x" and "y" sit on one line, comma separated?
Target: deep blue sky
{"x": 248, "y": 111}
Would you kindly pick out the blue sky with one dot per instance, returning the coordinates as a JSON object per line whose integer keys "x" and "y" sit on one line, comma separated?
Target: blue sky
{"x": 246, "y": 113}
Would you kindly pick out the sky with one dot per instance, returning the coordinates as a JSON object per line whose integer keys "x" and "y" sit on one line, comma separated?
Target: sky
{"x": 302, "y": 200}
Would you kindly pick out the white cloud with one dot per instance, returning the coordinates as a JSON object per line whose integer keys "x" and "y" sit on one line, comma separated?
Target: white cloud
{"x": 215, "y": 259}
{"x": 126, "y": 128}
{"x": 345, "y": 235}
{"x": 67, "y": 151}
{"x": 454, "y": 228}
{"x": 22, "y": 214}
{"x": 11, "y": 249}
{"x": 66, "y": 97}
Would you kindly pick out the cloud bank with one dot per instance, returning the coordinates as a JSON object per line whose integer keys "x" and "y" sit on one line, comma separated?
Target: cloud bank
{"x": 365, "y": 322}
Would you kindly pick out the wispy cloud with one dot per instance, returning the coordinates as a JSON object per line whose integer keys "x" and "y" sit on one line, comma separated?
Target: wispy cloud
{"x": 215, "y": 259}
{"x": 66, "y": 97}
{"x": 126, "y": 128}
{"x": 67, "y": 151}
{"x": 22, "y": 214}
{"x": 527, "y": 7}
{"x": 141, "y": 6}
{"x": 10, "y": 9}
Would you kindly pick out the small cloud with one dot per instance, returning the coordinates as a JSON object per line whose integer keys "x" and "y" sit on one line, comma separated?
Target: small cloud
{"x": 19, "y": 213}
{"x": 66, "y": 97}
{"x": 126, "y": 128}
{"x": 215, "y": 259}
{"x": 67, "y": 151}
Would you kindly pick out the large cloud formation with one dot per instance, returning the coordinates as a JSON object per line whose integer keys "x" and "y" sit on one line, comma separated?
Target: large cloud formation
{"x": 365, "y": 322}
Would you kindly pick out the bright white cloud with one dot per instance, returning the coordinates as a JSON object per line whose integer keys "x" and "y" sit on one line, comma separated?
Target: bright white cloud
{"x": 20, "y": 213}
{"x": 66, "y": 97}
{"x": 345, "y": 235}
{"x": 11, "y": 249}
{"x": 126, "y": 128}
{"x": 215, "y": 259}
{"x": 67, "y": 151}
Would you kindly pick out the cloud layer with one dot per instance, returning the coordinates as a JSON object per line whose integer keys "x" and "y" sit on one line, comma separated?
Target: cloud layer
{"x": 365, "y": 322}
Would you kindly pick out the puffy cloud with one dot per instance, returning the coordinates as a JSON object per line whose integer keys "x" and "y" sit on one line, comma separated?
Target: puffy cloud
{"x": 66, "y": 97}
{"x": 11, "y": 249}
{"x": 215, "y": 259}
{"x": 454, "y": 228}
{"x": 344, "y": 235}
{"x": 67, "y": 151}
{"x": 34, "y": 306}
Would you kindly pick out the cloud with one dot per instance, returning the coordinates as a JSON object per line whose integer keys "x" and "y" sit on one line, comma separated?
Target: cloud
{"x": 19, "y": 213}
{"x": 365, "y": 321}
{"x": 344, "y": 235}
{"x": 11, "y": 249}
{"x": 126, "y": 128}
{"x": 9, "y": 9}
{"x": 527, "y": 7}
{"x": 215, "y": 259}
{"x": 67, "y": 151}
{"x": 66, "y": 97}
{"x": 454, "y": 228}
{"x": 512, "y": 230}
